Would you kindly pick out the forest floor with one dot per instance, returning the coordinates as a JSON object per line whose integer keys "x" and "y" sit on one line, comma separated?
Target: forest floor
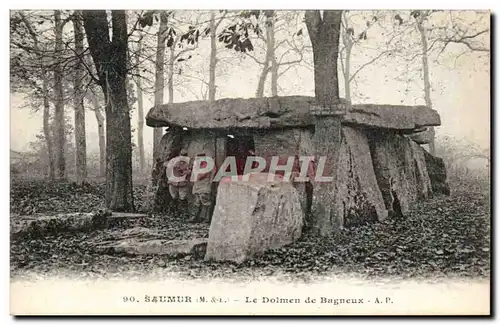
{"x": 441, "y": 237}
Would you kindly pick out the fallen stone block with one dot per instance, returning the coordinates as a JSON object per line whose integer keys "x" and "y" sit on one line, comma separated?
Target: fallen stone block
{"x": 128, "y": 215}
{"x": 253, "y": 216}
{"x": 41, "y": 226}
{"x": 156, "y": 247}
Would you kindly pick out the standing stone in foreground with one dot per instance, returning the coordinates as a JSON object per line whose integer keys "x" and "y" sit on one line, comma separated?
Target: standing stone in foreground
{"x": 253, "y": 216}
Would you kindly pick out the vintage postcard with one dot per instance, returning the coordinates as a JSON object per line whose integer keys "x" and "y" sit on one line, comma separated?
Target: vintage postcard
{"x": 250, "y": 162}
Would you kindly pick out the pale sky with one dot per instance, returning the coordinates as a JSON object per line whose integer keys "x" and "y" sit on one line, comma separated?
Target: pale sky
{"x": 461, "y": 95}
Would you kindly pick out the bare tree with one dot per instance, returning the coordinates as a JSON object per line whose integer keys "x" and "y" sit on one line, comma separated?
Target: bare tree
{"x": 352, "y": 40}
{"x": 419, "y": 17}
{"x": 140, "y": 108}
{"x": 60, "y": 134}
{"x": 277, "y": 37}
{"x": 80, "y": 141}
{"x": 214, "y": 24}
{"x": 101, "y": 129}
{"x": 41, "y": 58}
{"x": 160, "y": 76}
{"x": 174, "y": 57}
{"x": 436, "y": 30}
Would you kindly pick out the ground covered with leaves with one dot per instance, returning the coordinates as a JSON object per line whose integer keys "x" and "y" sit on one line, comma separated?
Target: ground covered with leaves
{"x": 441, "y": 237}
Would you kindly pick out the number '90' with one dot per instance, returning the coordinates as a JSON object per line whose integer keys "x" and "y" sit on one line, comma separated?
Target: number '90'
{"x": 128, "y": 299}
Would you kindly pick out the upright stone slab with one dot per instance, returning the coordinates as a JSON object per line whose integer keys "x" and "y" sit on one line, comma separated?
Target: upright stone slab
{"x": 306, "y": 148}
{"x": 171, "y": 143}
{"x": 253, "y": 216}
{"x": 285, "y": 143}
{"x": 400, "y": 169}
{"x": 420, "y": 172}
{"x": 437, "y": 174}
{"x": 358, "y": 199}
{"x": 201, "y": 141}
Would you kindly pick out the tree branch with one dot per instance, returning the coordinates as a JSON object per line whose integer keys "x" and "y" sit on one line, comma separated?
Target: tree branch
{"x": 368, "y": 63}
{"x": 254, "y": 58}
{"x": 220, "y": 20}
{"x": 463, "y": 40}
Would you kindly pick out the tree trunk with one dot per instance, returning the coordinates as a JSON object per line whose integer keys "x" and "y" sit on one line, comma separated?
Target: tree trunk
{"x": 262, "y": 79}
{"x": 213, "y": 58}
{"x": 324, "y": 33}
{"x": 60, "y": 134}
{"x": 170, "y": 78}
{"x": 427, "y": 83}
{"x": 140, "y": 111}
{"x": 101, "y": 132}
{"x": 159, "y": 78}
{"x": 110, "y": 59}
{"x": 46, "y": 127}
{"x": 347, "y": 70}
{"x": 81, "y": 145}
{"x": 269, "y": 54}
{"x": 46, "y": 101}
{"x": 274, "y": 64}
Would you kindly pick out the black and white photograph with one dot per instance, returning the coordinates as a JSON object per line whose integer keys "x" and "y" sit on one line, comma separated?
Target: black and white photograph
{"x": 250, "y": 162}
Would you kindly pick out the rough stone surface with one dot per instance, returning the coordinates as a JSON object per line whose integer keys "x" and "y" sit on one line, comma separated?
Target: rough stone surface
{"x": 289, "y": 111}
{"x": 423, "y": 137}
{"x": 199, "y": 141}
{"x": 41, "y": 226}
{"x": 397, "y": 117}
{"x": 421, "y": 173}
{"x": 171, "y": 143}
{"x": 358, "y": 199}
{"x": 437, "y": 174}
{"x": 253, "y": 216}
{"x": 283, "y": 144}
{"x": 306, "y": 148}
{"x": 401, "y": 171}
{"x": 128, "y": 215}
{"x": 157, "y": 247}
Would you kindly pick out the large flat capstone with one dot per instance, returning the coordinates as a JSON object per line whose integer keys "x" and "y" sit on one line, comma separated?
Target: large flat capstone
{"x": 278, "y": 112}
{"x": 396, "y": 117}
{"x": 253, "y": 216}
